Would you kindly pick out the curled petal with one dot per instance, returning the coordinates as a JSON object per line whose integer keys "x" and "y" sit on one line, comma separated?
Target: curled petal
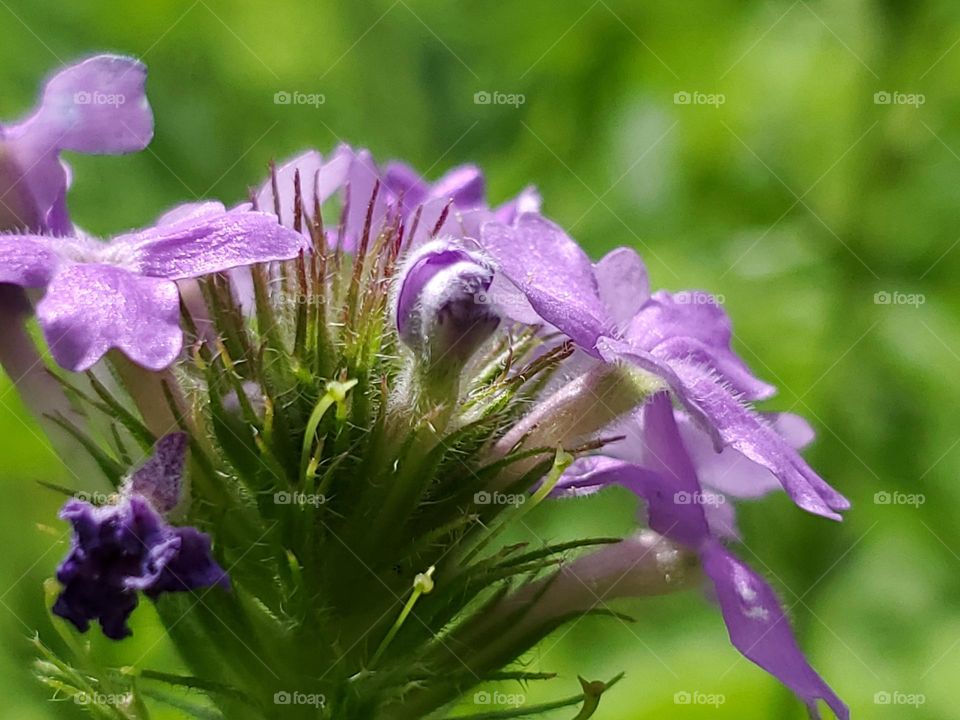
{"x": 553, "y": 272}
{"x": 89, "y": 309}
{"x": 206, "y": 244}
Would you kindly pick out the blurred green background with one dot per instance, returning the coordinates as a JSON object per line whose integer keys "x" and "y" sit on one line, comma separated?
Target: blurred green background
{"x": 796, "y": 192}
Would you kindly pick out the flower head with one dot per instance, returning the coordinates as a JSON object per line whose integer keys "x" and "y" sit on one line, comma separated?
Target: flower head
{"x": 127, "y": 547}
{"x": 122, "y": 293}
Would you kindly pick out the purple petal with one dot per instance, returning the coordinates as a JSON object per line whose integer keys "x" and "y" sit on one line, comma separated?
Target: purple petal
{"x": 759, "y": 629}
{"x": 309, "y": 165}
{"x": 623, "y": 283}
{"x": 464, "y": 185}
{"x": 403, "y": 182}
{"x": 96, "y": 106}
{"x": 698, "y": 316}
{"x": 741, "y": 428}
{"x": 208, "y": 244}
{"x": 553, "y": 272}
{"x": 27, "y": 260}
{"x": 191, "y": 568}
{"x": 159, "y": 479}
{"x": 528, "y": 201}
{"x": 89, "y": 309}
{"x": 191, "y": 211}
{"x": 363, "y": 177}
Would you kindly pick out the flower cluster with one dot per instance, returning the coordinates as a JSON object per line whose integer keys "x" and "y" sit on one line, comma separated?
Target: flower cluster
{"x": 423, "y": 352}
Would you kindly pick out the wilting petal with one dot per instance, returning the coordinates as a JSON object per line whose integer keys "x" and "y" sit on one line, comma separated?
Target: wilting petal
{"x": 159, "y": 479}
{"x": 623, "y": 283}
{"x": 89, "y": 309}
{"x": 27, "y": 260}
{"x": 211, "y": 243}
{"x": 553, "y": 272}
{"x": 759, "y": 629}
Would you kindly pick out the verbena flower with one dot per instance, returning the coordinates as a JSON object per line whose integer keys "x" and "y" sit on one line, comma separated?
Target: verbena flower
{"x": 389, "y": 375}
{"x": 126, "y": 547}
{"x": 121, "y": 293}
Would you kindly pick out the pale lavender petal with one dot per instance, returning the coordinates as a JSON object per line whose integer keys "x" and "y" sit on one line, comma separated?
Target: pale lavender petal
{"x": 464, "y": 185}
{"x": 730, "y": 369}
{"x": 403, "y": 182}
{"x": 160, "y": 478}
{"x": 363, "y": 177}
{"x": 729, "y": 470}
{"x": 27, "y": 260}
{"x": 553, "y": 272}
{"x": 191, "y": 211}
{"x": 528, "y": 201}
{"x": 623, "y": 283}
{"x": 759, "y": 629}
{"x": 209, "y": 244}
{"x": 96, "y": 106}
{"x": 89, "y": 309}
{"x": 309, "y": 164}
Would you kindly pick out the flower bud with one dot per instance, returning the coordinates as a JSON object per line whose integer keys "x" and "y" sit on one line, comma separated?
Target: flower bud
{"x": 441, "y": 305}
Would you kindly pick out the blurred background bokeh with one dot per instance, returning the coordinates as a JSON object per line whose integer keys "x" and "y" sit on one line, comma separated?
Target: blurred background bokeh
{"x": 801, "y": 159}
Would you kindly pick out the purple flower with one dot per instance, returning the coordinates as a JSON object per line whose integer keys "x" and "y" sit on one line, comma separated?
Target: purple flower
{"x": 121, "y": 549}
{"x": 669, "y": 485}
{"x": 441, "y": 308}
{"x": 95, "y": 106}
{"x": 682, "y": 339}
{"x": 121, "y": 293}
